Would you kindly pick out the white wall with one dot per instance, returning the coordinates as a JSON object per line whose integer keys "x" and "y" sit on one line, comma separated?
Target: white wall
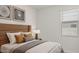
{"x": 49, "y": 22}
{"x": 30, "y": 17}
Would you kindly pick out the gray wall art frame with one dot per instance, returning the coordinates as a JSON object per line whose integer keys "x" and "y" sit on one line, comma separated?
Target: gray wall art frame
{"x": 6, "y": 12}
{"x": 18, "y": 14}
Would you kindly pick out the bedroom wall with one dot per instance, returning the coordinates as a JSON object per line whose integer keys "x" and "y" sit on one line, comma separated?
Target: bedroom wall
{"x": 49, "y": 22}
{"x": 30, "y": 17}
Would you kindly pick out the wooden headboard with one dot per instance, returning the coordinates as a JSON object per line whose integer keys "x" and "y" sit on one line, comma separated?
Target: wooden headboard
{"x": 11, "y": 28}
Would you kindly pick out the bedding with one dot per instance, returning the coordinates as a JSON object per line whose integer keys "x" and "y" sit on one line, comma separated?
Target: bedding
{"x": 26, "y": 47}
{"x": 27, "y": 33}
{"x": 8, "y": 48}
{"x": 28, "y": 37}
{"x": 33, "y": 46}
{"x": 11, "y": 37}
{"x": 19, "y": 38}
{"x": 47, "y": 47}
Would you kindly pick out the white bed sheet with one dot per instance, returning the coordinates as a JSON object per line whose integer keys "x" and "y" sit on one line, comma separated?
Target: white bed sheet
{"x": 47, "y": 47}
{"x": 7, "y": 48}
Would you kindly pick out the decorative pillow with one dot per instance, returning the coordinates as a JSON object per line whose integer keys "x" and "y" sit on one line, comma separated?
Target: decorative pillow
{"x": 28, "y": 37}
{"x": 19, "y": 38}
{"x": 11, "y": 37}
{"x": 26, "y": 33}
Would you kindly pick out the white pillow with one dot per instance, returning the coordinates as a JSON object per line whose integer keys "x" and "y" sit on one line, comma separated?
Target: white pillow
{"x": 12, "y": 38}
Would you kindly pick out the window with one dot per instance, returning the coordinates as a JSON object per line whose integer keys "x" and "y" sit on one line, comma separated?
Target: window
{"x": 70, "y": 22}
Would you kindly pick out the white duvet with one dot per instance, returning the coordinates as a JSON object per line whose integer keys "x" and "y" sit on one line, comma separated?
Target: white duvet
{"x": 47, "y": 47}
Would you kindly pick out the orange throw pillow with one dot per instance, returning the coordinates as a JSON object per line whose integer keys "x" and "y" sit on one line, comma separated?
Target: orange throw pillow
{"x": 19, "y": 38}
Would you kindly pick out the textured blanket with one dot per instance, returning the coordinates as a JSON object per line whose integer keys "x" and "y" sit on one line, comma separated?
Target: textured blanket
{"x": 26, "y": 47}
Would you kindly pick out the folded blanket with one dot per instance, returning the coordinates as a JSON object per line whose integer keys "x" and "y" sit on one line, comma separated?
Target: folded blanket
{"x": 26, "y": 47}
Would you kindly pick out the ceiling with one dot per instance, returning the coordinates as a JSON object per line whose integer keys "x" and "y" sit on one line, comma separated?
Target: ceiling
{"x": 40, "y": 6}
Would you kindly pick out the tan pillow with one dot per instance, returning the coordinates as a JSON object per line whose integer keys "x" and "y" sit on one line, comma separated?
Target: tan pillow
{"x": 28, "y": 37}
{"x": 19, "y": 38}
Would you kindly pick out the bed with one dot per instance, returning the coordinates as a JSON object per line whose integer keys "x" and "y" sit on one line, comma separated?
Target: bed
{"x": 32, "y": 46}
{"x": 47, "y": 47}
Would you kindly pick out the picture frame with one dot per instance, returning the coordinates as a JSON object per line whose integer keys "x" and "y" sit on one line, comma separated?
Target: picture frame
{"x": 19, "y": 14}
{"x": 6, "y": 12}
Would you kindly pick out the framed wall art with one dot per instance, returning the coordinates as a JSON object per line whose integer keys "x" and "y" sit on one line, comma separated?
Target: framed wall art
{"x": 5, "y": 12}
{"x": 19, "y": 14}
